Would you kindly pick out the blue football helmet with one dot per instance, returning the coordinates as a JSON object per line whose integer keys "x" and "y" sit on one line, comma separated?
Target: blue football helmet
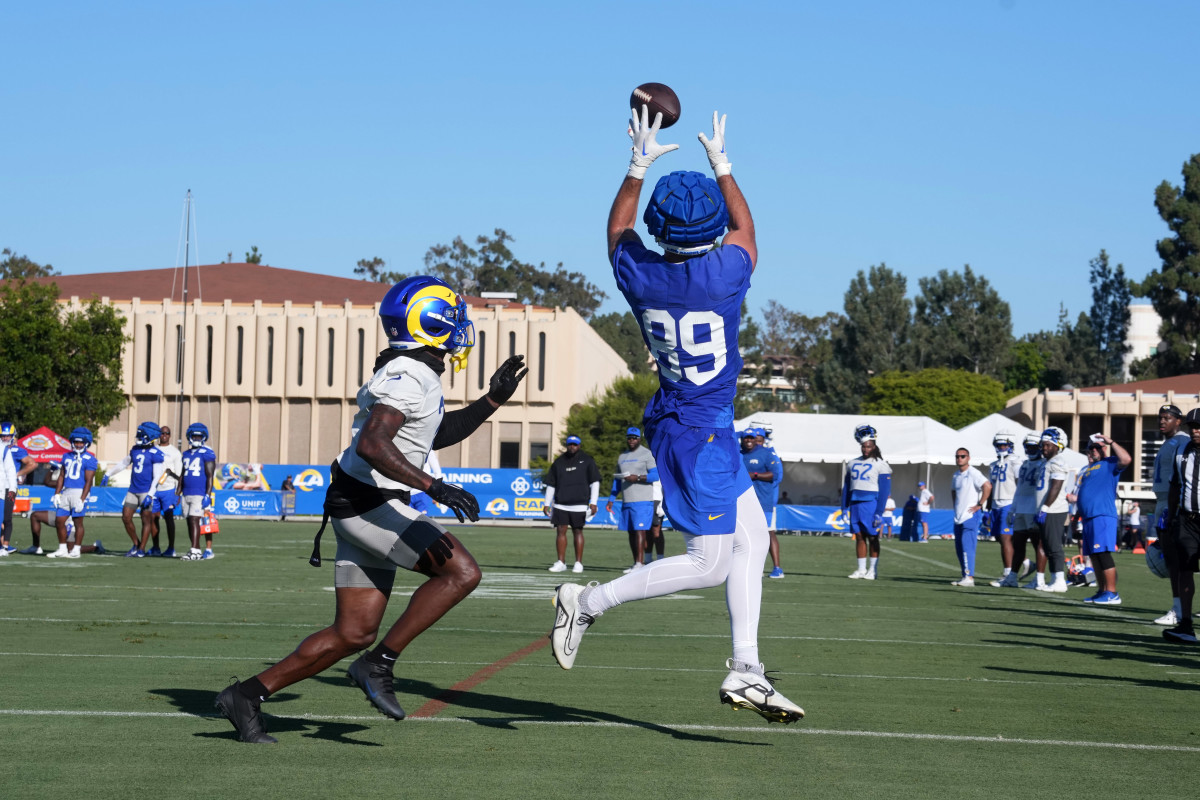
{"x": 865, "y": 433}
{"x": 425, "y": 312}
{"x": 81, "y": 439}
{"x": 147, "y": 434}
{"x": 231, "y": 473}
{"x": 196, "y": 434}
{"x": 1003, "y": 439}
{"x": 1057, "y": 437}
{"x": 8, "y": 432}
{"x": 1033, "y": 445}
{"x": 686, "y": 213}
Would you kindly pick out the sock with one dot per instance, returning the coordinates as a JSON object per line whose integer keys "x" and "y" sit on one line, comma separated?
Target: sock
{"x": 862, "y": 565}
{"x": 1177, "y": 608}
{"x": 1006, "y": 571}
{"x": 383, "y": 655}
{"x": 1041, "y": 579}
{"x": 871, "y": 566}
{"x": 253, "y": 689}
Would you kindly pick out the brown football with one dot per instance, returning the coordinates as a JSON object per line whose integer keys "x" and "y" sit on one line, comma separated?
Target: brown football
{"x": 660, "y": 99}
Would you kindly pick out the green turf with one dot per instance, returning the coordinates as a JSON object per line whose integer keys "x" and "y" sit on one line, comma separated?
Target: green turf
{"x": 913, "y": 688}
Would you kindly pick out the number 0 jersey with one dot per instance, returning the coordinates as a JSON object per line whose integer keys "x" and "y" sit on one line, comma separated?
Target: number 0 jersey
{"x": 689, "y": 314}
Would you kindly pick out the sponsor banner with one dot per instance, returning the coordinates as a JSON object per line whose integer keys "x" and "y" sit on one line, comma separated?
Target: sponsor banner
{"x": 829, "y": 519}
{"x": 109, "y": 500}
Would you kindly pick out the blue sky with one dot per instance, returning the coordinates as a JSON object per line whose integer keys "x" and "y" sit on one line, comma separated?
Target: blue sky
{"x": 1019, "y": 137}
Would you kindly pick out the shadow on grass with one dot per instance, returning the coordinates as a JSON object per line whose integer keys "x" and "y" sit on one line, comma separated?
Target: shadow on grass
{"x": 200, "y": 702}
{"x": 1082, "y": 679}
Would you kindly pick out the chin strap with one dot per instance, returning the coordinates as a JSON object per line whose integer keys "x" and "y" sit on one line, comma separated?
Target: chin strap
{"x": 686, "y": 250}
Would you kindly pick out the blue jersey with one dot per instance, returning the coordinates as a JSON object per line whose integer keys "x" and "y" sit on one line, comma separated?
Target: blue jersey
{"x": 19, "y": 454}
{"x": 75, "y": 467}
{"x": 689, "y": 314}
{"x": 1098, "y": 488}
{"x": 763, "y": 459}
{"x": 143, "y": 460}
{"x": 195, "y": 477}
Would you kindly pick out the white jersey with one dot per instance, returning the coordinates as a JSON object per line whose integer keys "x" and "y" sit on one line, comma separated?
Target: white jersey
{"x": 1057, "y": 470}
{"x": 413, "y": 389}
{"x": 968, "y": 488}
{"x": 173, "y": 461}
{"x": 1031, "y": 486}
{"x": 864, "y": 474}
{"x": 8, "y": 471}
{"x": 1003, "y": 474}
{"x": 925, "y": 500}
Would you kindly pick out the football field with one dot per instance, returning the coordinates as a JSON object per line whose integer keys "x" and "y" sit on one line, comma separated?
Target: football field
{"x": 913, "y": 688}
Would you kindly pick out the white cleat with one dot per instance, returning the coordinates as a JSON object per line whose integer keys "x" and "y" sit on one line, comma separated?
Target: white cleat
{"x": 857, "y": 575}
{"x": 1009, "y": 581}
{"x": 966, "y": 582}
{"x": 747, "y": 686}
{"x": 558, "y": 566}
{"x": 870, "y": 576}
{"x": 1027, "y": 569}
{"x": 636, "y": 565}
{"x": 1170, "y": 619}
{"x": 1058, "y": 587}
{"x": 569, "y": 624}
{"x": 578, "y": 567}
{"x": 61, "y": 552}
{"x": 75, "y": 552}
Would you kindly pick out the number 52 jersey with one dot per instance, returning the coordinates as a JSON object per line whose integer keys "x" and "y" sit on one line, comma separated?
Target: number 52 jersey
{"x": 688, "y": 313}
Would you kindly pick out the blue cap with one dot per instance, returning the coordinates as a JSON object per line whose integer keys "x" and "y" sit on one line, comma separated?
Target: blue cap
{"x": 573, "y": 440}
{"x": 633, "y": 432}
{"x": 747, "y": 432}
{"x": 920, "y": 483}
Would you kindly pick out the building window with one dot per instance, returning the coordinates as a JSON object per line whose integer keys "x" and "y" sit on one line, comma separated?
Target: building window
{"x": 179, "y": 354}
{"x": 539, "y": 450}
{"x": 362, "y": 343}
{"x": 541, "y": 362}
{"x": 481, "y": 346}
{"x": 270, "y": 354}
{"x": 149, "y": 350}
{"x": 300, "y": 357}
{"x": 329, "y": 368}
{"x": 208, "y": 360}
{"x": 510, "y": 455}
{"x": 240, "y": 342}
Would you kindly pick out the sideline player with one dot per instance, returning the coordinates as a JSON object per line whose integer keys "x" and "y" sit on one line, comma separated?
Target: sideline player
{"x": 1096, "y": 501}
{"x": 1031, "y": 491}
{"x": 925, "y": 501}
{"x": 1052, "y": 515}
{"x": 689, "y": 301}
{"x": 401, "y": 416}
{"x": 1183, "y": 517}
{"x": 636, "y": 474}
{"x": 1170, "y": 420}
{"x": 1003, "y": 474}
{"x": 23, "y": 464}
{"x": 765, "y": 473}
{"x": 199, "y": 466}
{"x": 8, "y": 478}
{"x": 148, "y": 465}
{"x": 166, "y": 497}
{"x": 71, "y": 492}
{"x": 572, "y": 490}
{"x": 771, "y": 499}
{"x": 866, "y": 484}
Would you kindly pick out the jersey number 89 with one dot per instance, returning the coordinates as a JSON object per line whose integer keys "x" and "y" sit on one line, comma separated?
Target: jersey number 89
{"x": 667, "y": 339}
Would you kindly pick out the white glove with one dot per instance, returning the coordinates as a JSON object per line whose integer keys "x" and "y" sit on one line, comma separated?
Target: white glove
{"x": 56, "y": 501}
{"x": 645, "y": 148}
{"x": 716, "y": 148}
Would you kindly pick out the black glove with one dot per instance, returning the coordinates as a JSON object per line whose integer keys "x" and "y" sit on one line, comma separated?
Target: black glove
{"x": 506, "y": 379}
{"x": 456, "y": 498}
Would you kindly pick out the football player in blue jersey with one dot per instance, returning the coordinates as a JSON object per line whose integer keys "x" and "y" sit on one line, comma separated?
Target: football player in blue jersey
{"x": 766, "y": 472}
{"x": 866, "y": 485}
{"x": 148, "y": 464}
{"x": 1096, "y": 501}
{"x": 687, "y": 301}
{"x": 23, "y": 464}
{"x": 71, "y": 492}
{"x": 761, "y": 435}
{"x": 199, "y": 464}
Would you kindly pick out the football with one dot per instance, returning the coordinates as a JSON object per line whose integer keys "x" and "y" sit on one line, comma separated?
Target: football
{"x": 660, "y": 99}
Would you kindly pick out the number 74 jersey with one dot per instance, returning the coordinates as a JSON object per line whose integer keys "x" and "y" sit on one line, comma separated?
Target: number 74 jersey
{"x": 689, "y": 314}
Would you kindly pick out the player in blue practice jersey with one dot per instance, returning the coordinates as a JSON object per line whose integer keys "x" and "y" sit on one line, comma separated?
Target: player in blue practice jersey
{"x": 148, "y": 464}
{"x": 1096, "y": 502}
{"x": 866, "y": 484}
{"x": 765, "y": 472}
{"x": 71, "y": 492}
{"x": 687, "y": 301}
{"x": 195, "y": 487}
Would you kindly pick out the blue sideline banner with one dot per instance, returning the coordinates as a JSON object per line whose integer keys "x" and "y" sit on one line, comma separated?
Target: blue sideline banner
{"x": 105, "y": 500}
{"x": 829, "y": 519}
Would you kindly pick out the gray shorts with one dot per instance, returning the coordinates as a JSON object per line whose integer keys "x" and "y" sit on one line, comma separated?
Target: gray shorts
{"x": 70, "y": 503}
{"x": 191, "y": 506}
{"x": 135, "y": 499}
{"x": 372, "y": 545}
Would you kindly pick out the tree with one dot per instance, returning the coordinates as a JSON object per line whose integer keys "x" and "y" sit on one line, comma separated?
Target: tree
{"x": 1109, "y": 320}
{"x": 373, "y": 269}
{"x": 953, "y": 397}
{"x": 624, "y": 335}
{"x": 960, "y": 322}
{"x": 1174, "y": 289}
{"x": 62, "y": 368}
{"x": 15, "y": 266}
{"x": 801, "y": 344}
{"x": 1067, "y": 355}
{"x": 872, "y": 339}
{"x": 1025, "y": 367}
{"x": 601, "y": 421}
{"x": 254, "y": 257}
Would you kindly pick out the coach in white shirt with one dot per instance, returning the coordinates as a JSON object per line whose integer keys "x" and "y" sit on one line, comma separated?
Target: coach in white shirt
{"x": 970, "y": 494}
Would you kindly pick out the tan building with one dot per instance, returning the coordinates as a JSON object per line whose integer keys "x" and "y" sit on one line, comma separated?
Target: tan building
{"x": 1127, "y": 412}
{"x": 272, "y": 360}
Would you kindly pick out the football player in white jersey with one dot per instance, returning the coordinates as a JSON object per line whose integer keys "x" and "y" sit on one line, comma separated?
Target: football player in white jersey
{"x": 401, "y": 417}
{"x": 1003, "y": 474}
{"x": 1031, "y": 491}
{"x": 1052, "y": 514}
{"x": 866, "y": 484}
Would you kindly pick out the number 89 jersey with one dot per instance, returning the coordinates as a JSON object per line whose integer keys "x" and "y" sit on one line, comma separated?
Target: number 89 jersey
{"x": 689, "y": 314}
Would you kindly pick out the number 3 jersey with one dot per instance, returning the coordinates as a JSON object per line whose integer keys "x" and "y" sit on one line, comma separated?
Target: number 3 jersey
{"x": 688, "y": 313}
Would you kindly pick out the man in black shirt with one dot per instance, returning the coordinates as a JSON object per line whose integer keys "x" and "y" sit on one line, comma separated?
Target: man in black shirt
{"x": 572, "y": 490}
{"x": 1184, "y": 525}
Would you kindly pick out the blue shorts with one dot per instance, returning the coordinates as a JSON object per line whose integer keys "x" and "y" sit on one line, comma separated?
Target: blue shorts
{"x": 421, "y": 502}
{"x": 1000, "y": 523}
{"x": 922, "y": 516}
{"x": 164, "y": 502}
{"x": 1100, "y": 535}
{"x": 702, "y": 475}
{"x": 637, "y": 516}
{"x": 862, "y": 517}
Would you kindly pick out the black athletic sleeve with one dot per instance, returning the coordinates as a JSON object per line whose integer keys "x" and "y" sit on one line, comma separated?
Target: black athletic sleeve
{"x": 458, "y": 425}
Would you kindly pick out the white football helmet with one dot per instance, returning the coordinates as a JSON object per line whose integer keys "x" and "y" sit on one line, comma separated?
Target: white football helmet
{"x": 1003, "y": 439}
{"x": 1056, "y": 436}
{"x": 1032, "y": 444}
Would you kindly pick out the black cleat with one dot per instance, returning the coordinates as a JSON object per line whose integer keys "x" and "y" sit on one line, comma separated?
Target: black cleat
{"x": 1180, "y": 634}
{"x": 376, "y": 682}
{"x": 244, "y": 714}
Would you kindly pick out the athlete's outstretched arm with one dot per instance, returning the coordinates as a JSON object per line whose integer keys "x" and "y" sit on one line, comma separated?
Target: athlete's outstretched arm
{"x": 623, "y": 215}
{"x": 741, "y": 224}
{"x": 643, "y": 133}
